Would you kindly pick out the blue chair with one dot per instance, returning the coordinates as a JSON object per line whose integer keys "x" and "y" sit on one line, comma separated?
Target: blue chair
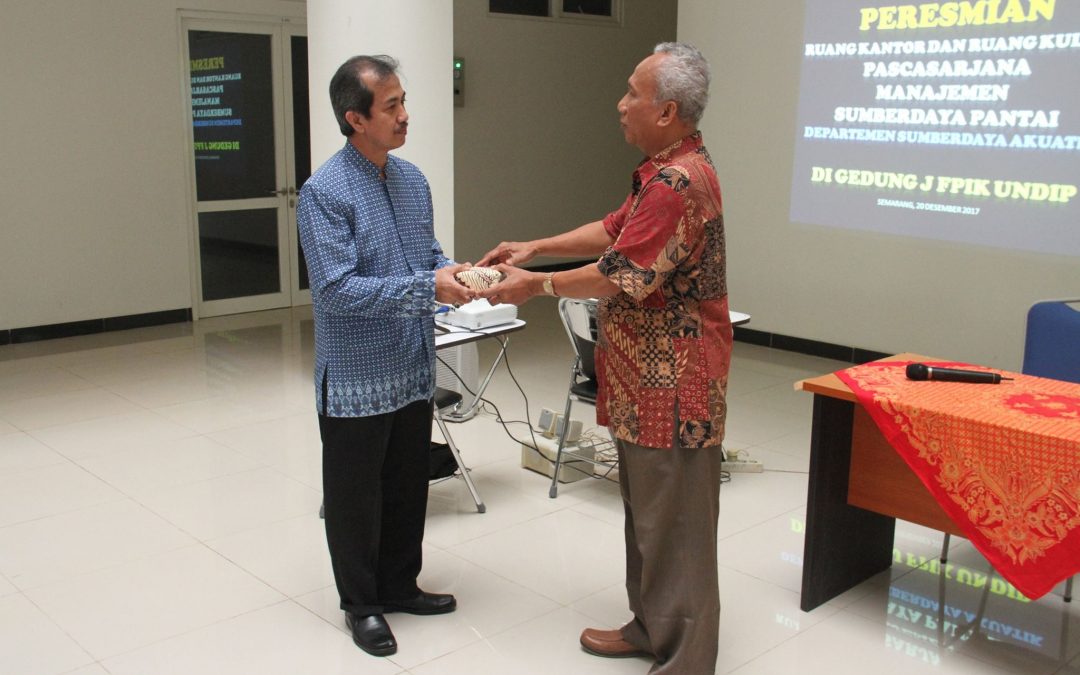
{"x": 1052, "y": 343}
{"x": 1052, "y": 350}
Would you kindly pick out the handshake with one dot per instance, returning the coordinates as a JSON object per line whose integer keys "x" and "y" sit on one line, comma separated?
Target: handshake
{"x": 494, "y": 278}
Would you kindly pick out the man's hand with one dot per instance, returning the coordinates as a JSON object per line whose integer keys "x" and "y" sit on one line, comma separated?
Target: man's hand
{"x": 448, "y": 289}
{"x": 509, "y": 253}
{"x": 517, "y": 286}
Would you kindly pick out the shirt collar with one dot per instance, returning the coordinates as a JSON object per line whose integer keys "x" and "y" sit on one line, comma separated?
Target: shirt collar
{"x": 684, "y": 146}
{"x": 366, "y": 166}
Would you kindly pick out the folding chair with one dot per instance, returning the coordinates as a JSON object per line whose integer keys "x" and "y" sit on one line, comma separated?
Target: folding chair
{"x": 579, "y": 320}
{"x": 446, "y": 401}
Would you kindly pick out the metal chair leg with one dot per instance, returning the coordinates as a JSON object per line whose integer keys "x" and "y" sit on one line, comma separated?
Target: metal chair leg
{"x": 554, "y": 491}
{"x": 480, "y": 507}
{"x": 945, "y": 558}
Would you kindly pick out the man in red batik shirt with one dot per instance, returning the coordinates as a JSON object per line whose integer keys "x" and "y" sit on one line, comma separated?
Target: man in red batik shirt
{"x": 663, "y": 352}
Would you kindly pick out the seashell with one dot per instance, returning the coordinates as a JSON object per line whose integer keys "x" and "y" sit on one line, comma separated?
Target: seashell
{"x": 479, "y": 278}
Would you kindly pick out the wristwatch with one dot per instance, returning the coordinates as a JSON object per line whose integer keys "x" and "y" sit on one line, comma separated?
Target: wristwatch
{"x": 549, "y": 288}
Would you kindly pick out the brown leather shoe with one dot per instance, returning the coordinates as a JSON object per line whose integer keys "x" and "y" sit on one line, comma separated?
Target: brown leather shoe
{"x": 609, "y": 643}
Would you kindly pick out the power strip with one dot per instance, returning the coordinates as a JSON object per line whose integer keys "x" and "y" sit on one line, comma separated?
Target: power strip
{"x": 577, "y": 462}
{"x": 738, "y": 462}
{"x": 743, "y": 466}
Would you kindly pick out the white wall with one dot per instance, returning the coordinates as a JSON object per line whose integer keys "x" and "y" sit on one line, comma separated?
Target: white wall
{"x": 878, "y": 292}
{"x": 93, "y": 182}
{"x": 419, "y": 34}
{"x": 538, "y": 148}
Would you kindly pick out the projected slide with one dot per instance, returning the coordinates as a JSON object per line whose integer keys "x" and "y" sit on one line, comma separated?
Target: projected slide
{"x": 953, "y": 120}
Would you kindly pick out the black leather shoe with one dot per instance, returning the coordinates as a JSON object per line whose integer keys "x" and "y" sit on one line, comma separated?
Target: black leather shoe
{"x": 372, "y": 634}
{"x": 423, "y": 603}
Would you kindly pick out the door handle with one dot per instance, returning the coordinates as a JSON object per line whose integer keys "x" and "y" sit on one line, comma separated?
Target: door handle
{"x": 281, "y": 192}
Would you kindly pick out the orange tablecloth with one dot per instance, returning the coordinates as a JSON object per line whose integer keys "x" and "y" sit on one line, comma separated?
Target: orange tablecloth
{"x": 1002, "y": 460}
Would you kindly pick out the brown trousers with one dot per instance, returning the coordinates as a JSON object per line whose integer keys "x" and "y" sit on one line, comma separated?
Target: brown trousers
{"x": 672, "y": 502}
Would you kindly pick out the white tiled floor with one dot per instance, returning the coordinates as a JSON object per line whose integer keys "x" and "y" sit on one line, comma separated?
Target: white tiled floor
{"x": 158, "y": 498}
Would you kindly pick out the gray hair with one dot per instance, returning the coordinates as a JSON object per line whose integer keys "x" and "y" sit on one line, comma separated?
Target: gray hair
{"x": 683, "y": 77}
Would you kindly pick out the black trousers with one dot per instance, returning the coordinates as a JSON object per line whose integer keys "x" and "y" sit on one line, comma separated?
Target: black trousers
{"x": 375, "y": 488}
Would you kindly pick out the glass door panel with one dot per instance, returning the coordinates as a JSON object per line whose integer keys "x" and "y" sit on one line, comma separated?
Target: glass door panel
{"x": 232, "y": 110}
{"x": 238, "y": 253}
{"x": 301, "y": 146}
{"x": 241, "y": 111}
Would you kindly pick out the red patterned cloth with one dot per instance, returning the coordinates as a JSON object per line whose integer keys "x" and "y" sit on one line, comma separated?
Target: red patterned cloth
{"x": 1002, "y": 460}
{"x": 666, "y": 339}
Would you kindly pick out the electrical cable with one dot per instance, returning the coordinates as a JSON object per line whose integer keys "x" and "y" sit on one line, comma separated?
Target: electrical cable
{"x": 498, "y": 415}
{"x": 534, "y": 446}
{"x": 611, "y": 465}
{"x": 571, "y": 465}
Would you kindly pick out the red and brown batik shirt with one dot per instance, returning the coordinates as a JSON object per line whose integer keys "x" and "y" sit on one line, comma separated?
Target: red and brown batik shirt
{"x": 665, "y": 341}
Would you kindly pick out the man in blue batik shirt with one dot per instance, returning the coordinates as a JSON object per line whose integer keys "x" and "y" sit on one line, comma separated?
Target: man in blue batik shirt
{"x": 377, "y": 275}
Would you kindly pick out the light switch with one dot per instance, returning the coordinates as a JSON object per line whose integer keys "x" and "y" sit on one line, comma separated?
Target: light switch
{"x": 459, "y": 82}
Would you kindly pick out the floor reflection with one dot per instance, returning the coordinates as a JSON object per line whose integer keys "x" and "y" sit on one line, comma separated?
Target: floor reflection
{"x": 964, "y": 606}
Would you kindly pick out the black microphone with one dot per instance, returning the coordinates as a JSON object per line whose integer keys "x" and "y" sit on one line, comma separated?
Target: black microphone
{"x": 921, "y": 371}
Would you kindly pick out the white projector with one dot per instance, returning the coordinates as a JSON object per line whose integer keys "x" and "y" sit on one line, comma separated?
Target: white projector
{"x": 479, "y": 314}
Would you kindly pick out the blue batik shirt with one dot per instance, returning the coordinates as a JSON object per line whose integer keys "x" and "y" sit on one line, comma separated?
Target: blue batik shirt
{"x": 371, "y": 254}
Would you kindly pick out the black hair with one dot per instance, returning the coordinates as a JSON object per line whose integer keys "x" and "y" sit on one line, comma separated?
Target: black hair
{"x": 348, "y": 91}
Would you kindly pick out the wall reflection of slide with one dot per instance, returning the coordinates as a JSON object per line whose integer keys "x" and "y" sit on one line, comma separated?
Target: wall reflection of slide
{"x": 952, "y": 120}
